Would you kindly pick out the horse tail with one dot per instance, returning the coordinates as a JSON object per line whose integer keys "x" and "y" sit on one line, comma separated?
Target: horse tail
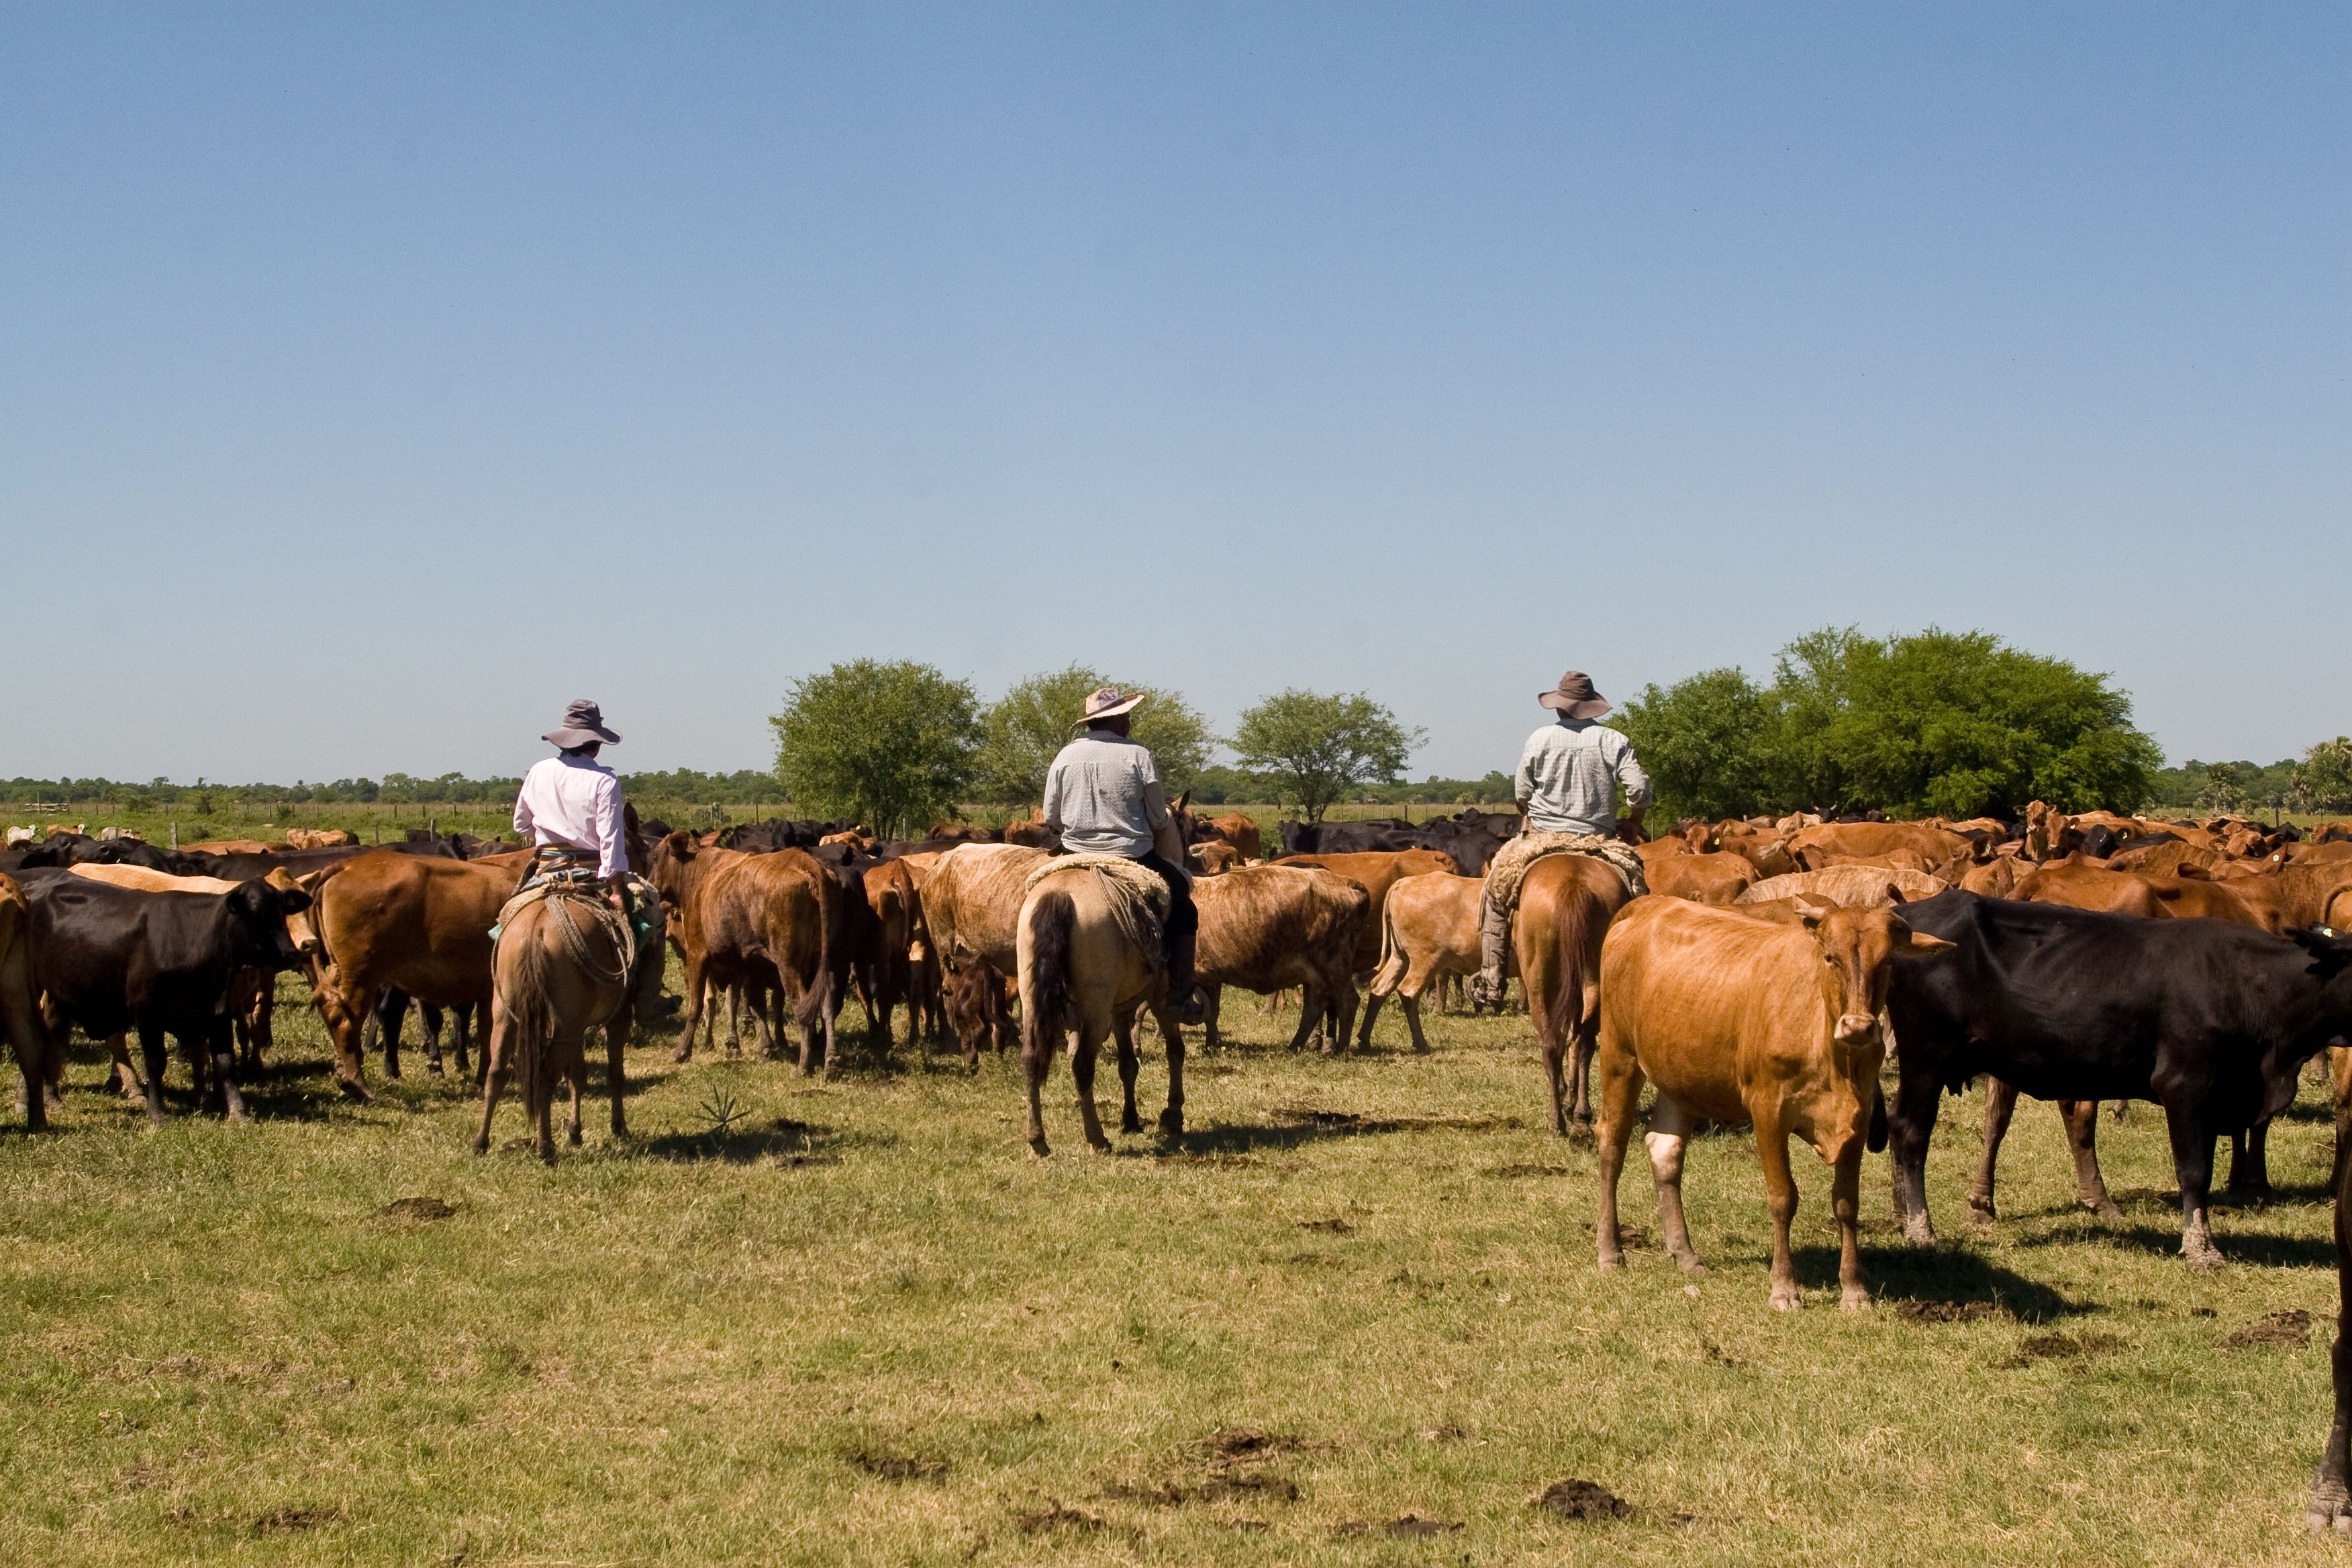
{"x": 529, "y": 995}
{"x": 1053, "y": 924}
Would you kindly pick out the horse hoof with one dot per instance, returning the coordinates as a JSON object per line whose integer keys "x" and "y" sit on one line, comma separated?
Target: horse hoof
{"x": 1171, "y": 1122}
{"x": 1131, "y": 1124}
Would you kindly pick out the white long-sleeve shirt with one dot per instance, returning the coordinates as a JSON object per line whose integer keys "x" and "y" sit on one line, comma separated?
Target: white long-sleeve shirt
{"x": 574, "y": 802}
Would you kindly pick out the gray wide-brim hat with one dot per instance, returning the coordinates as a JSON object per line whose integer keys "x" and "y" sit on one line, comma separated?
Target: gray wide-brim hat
{"x": 583, "y": 721}
{"x": 1575, "y": 697}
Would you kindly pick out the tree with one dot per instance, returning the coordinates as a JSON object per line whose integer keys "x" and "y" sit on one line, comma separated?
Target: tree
{"x": 1311, "y": 748}
{"x": 2323, "y": 779}
{"x": 889, "y": 745}
{"x": 1022, "y": 730}
{"x": 2224, "y": 790}
{"x": 1956, "y": 724}
{"x": 1706, "y": 743}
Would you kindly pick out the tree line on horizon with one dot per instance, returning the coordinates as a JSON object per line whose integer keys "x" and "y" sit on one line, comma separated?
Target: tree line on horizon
{"x": 1941, "y": 723}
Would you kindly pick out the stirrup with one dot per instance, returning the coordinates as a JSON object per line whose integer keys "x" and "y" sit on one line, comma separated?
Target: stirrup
{"x": 1189, "y": 1008}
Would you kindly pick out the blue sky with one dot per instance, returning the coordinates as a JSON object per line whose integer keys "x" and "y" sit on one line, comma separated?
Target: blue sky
{"x": 376, "y": 378}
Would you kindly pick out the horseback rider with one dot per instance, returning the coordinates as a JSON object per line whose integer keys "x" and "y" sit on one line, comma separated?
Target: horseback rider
{"x": 1567, "y": 782}
{"x": 569, "y": 806}
{"x": 1103, "y": 797}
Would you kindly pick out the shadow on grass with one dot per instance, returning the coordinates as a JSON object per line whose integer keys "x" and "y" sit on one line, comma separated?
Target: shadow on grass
{"x": 2261, "y": 1250}
{"x": 1294, "y": 1127}
{"x": 1941, "y": 1274}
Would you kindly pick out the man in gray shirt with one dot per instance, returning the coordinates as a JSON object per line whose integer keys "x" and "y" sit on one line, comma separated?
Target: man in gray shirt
{"x": 1103, "y": 797}
{"x": 1567, "y": 782}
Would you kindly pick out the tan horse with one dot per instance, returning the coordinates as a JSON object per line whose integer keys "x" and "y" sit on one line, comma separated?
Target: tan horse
{"x": 561, "y": 970}
{"x": 1566, "y": 902}
{"x": 1079, "y": 972}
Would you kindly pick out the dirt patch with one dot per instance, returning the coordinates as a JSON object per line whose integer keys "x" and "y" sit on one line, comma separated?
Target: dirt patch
{"x": 1944, "y": 1312}
{"x": 1581, "y": 1500}
{"x": 892, "y": 1466}
{"x": 420, "y": 1208}
{"x": 1054, "y": 1516}
{"x": 1419, "y": 1285}
{"x": 2056, "y": 1347}
{"x": 1332, "y": 1227}
{"x": 2292, "y": 1327}
{"x": 1243, "y": 1443}
{"x": 1715, "y": 1355}
{"x": 1513, "y": 1173}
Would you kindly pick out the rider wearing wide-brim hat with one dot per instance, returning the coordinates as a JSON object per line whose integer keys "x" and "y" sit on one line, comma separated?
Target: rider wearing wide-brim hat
{"x": 569, "y": 805}
{"x": 1567, "y": 782}
{"x": 1103, "y": 795}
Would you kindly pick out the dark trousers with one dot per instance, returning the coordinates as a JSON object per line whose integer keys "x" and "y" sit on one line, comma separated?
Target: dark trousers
{"x": 1184, "y": 919}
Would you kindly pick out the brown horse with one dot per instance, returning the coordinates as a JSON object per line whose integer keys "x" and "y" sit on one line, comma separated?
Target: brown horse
{"x": 1566, "y": 902}
{"x": 1079, "y": 972}
{"x": 563, "y": 966}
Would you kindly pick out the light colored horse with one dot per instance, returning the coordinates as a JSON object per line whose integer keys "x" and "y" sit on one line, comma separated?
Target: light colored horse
{"x": 559, "y": 972}
{"x": 1080, "y": 972}
{"x": 1566, "y": 902}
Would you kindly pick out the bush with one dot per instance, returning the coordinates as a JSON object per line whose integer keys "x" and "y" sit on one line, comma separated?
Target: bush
{"x": 889, "y": 745}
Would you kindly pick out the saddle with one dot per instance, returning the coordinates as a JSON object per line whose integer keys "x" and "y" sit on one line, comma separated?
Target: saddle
{"x": 1509, "y": 866}
{"x": 1139, "y": 900}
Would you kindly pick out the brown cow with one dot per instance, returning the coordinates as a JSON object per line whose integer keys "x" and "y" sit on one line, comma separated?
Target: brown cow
{"x": 1714, "y": 878}
{"x": 1933, "y": 846}
{"x": 1739, "y": 1019}
{"x": 1566, "y": 902}
{"x": 1850, "y": 887}
{"x": 1212, "y": 858}
{"x": 1767, "y": 852}
{"x": 40, "y": 1054}
{"x": 1265, "y": 927}
{"x": 1429, "y": 929}
{"x": 756, "y": 921}
{"x": 898, "y": 946}
{"x": 1239, "y": 831}
{"x": 1375, "y": 871}
{"x": 415, "y": 922}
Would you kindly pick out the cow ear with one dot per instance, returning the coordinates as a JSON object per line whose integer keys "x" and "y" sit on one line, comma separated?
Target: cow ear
{"x": 1812, "y": 908}
{"x": 1893, "y": 894}
{"x": 2330, "y": 949}
{"x": 1919, "y": 945}
{"x": 294, "y": 900}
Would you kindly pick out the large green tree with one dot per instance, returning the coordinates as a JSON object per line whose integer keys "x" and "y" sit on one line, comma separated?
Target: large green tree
{"x": 1022, "y": 730}
{"x": 1950, "y": 723}
{"x": 1312, "y": 748}
{"x": 889, "y": 745}
{"x": 2323, "y": 779}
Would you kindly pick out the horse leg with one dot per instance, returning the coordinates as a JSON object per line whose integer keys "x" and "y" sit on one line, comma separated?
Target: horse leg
{"x": 497, "y": 1052}
{"x": 1555, "y": 1061}
{"x": 2000, "y": 1104}
{"x": 575, "y": 1077}
{"x": 616, "y": 1036}
{"x": 1171, "y": 1119}
{"x": 1129, "y": 1060}
{"x": 1036, "y": 1061}
{"x": 1083, "y": 1044}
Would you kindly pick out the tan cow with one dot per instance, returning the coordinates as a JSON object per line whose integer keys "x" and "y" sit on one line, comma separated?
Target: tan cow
{"x": 1239, "y": 831}
{"x": 1265, "y": 927}
{"x": 972, "y": 903}
{"x": 1739, "y": 1019}
{"x": 1714, "y": 878}
{"x": 1212, "y": 858}
{"x": 1375, "y": 871}
{"x": 1933, "y": 846}
{"x": 1429, "y": 929}
{"x": 319, "y": 838}
{"x": 1850, "y": 887}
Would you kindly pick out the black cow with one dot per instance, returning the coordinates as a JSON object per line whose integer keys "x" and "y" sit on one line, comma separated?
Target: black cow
{"x": 110, "y": 959}
{"x": 2209, "y": 1019}
{"x": 777, "y": 833}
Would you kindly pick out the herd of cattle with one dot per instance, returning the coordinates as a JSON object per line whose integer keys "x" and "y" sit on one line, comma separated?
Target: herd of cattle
{"x": 1772, "y": 968}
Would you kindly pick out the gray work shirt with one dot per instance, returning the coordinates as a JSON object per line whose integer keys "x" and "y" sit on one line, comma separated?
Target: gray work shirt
{"x": 1569, "y": 774}
{"x": 1103, "y": 794}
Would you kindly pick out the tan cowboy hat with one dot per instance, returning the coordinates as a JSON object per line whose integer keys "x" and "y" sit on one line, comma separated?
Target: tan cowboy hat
{"x": 583, "y": 721}
{"x": 1574, "y": 697}
{"x": 1109, "y": 702}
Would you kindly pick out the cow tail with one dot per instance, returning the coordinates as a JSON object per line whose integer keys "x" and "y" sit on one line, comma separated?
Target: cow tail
{"x": 1390, "y": 973}
{"x": 1053, "y": 924}
{"x": 816, "y": 1000}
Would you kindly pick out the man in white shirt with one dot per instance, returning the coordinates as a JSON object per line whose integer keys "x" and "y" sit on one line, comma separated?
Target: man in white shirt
{"x": 1103, "y": 797}
{"x": 1567, "y": 782}
{"x": 569, "y": 805}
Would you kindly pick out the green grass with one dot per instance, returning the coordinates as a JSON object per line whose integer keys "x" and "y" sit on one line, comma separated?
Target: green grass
{"x": 861, "y": 1326}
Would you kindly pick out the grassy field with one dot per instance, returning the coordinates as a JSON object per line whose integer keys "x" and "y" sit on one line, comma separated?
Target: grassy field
{"x": 1353, "y": 1318}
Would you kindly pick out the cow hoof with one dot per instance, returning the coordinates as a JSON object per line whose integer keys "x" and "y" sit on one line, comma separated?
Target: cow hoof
{"x": 1787, "y": 1301}
{"x": 1918, "y": 1232}
{"x": 481, "y": 1146}
{"x": 1172, "y": 1124}
{"x": 1856, "y": 1299}
{"x": 355, "y": 1089}
{"x": 1099, "y": 1145}
{"x": 1130, "y": 1124}
{"x": 1613, "y": 1262}
{"x": 1689, "y": 1264}
{"x": 392, "y": 1071}
{"x": 2106, "y": 1209}
{"x": 433, "y": 1069}
{"x": 1980, "y": 1208}
{"x": 1037, "y": 1149}
{"x": 2203, "y": 1258}
{"x": 683, "y": 1054}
